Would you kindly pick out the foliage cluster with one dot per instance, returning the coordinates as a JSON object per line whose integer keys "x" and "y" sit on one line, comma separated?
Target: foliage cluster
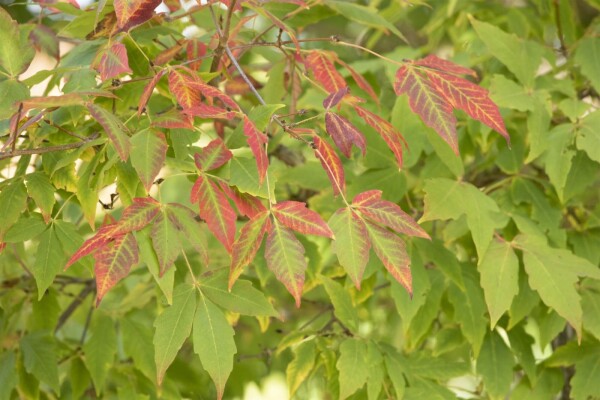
{"x": 191, "y": 201}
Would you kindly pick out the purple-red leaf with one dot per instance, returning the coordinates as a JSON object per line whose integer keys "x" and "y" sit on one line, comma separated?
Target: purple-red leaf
{"x": 113, "y": 62}
{"x": 214, "y": 155}
{"x": 433, "y": 61}
{"x": 247, "y": 244}
{"x": 296, "y": 216}
{"x": 113, "y": 262}
{"x": 391, "y": 250}
{"x": 334, "y": 98}
{"x": 114, "y": 128}
{"x": 344, "y": 134}
{"x": 387, "y": 213}
{"x": 360, "y": 80}
{"x": 215, "y": 210}
{"x": 210, "y": 112}
{"x": 257, "y": 141}
{"x": 174, "y": 120}
{"x": 331, "y": 164}
{"x": 246, "y": 204}
{"x": 131, "y": 13}
{"x": 321, "y": 65}
{"x": 392, "y": 137}
{"x": 148, "y": 90}
{"x": 180, "y": 84}
{"x": 285, "y": 257}
{"x": 212, "y": 92}
{"x": 195, "y": 51}
{"x": 351, "y": 243}
{"x": 135, "y": 217}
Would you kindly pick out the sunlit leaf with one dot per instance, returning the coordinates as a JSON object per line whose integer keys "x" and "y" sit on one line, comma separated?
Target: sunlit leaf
{"x": 257, "y": 141}
{"x": 114, "y": 128}
{"x": 331, "y": 164}
{"x": 149, "y": 151}
{"x": 131, "y": 13}
{"x": 296, "y": 216}
{"x": 247, "y": 244}
{"x": 321, "y": 65}
{"x": 113, "y": 262}
{"x": 113, "y": 62}
{"x": 213, "y": 155}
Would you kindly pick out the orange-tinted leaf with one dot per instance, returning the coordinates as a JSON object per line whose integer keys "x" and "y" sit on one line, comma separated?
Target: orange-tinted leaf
{"x": 246, "y": 204}
{"x": 285, "y": 257}
{"x": 237, "y": 85}
{"x": 172, "y": 5}
{"x": 351, "y": 243}
{"x": 212, "y": 92}
{"x": 139, "y": 214}
{"x": 331, "y": 164}
{"x": 215, "y": 210}
{"x": 334, "y": 98}
{"x": 114, "y": 128}
{"x": 247, "y": 244}
{"x": 296, "y": 216}
{"x": 131, "y": 13}
{"x": 428, "y": 102}
{"x": 387, "y": 213}
{"x": 113, "y": 262}
{"x": 257, "y": 141}
{"x": 321, "y": 65}
{"x": 174, "y": 120}
{"x": 195, "y": 50}
{"x": 168, "y": 54}
{"x": 165, "y": 240}
{"x": 214, "y": 155}
{"x": 471, "y": 98}
{"x": 391, "y": 250}
{"x": 148, "y": 155}
{"x": 440, "y": 64}
{"x": 113, "y": 62}
{"x": 148, "y": 90}
{"x": 392, "y": 137}
{"x": 69, "y": 99}
{"x": 210, "y": 112}
{"x": 344, "y": 134}
{"x": 180, "y": 84}
{"x": 99, "y": 240}
{"x": 360, "y": 80}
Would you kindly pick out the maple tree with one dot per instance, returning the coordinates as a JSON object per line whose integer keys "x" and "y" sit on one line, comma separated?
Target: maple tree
{"x": 190, "y": 194}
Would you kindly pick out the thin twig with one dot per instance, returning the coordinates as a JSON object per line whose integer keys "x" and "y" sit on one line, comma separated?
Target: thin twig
{"x": 49, "y": 149}
{"x": 89, "y": 287}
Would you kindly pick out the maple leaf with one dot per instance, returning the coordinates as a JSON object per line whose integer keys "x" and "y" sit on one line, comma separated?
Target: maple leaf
{"x": 344, "y": 134}
{"x": 285, "y": 257}
{"x": 104, "y": 235}
{"x": 180, "y": 84}
{"x": 391, "y": 250}
{"x": 392, "y": 137}
{"x": 257, "y": 141}
{"x": 331, "y": 164}
{"x": 246, "y": 204}
{"x": 139, "y": 214}
{"x": 215, "y": 210}
{"x": 334, "y": 98}
{"x": 351, "y": 243}
{"x": 247, "y": 244}
{"x": 113, "y": 262}
{"x": 387, "y": 213}
{"x": 131, "y": 13}
{"x": 210, "y": 112}
{"x": 148, "y": 89}
{"x": 296, "y": 216}
{"x": 213, "y": 155}
{"x": 321, "y": 65}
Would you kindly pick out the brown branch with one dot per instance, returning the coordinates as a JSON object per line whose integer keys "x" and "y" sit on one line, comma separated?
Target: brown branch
{"x": 223, "y": 36}
{"x": 89, "y": 288}
{"x": 42, "y": 150}
{"x": 559, "y": 30}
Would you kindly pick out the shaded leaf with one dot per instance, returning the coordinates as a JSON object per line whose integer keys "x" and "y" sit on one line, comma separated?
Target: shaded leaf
{"x": 391, "y": 250}
{"x": 148, "y": 89}
{"x": 360, "y": 80}
{"x": 494, "y": 364}
{"x": 165, "y": 240}
{"x": 100, "y": 350}
{"x": 213, "y": 155}
{"x": 352, "y": 366}
{"x": 299, "y": 369}
{"x": 344, "y": 134}
{"x": 247, "y": 244}
{"x": 210, "y": 112}
{"x": 246, "y": 204}
{"x": 149, "y": 151}
{"x": 213, "y": 342}
{"x": 296, "y": 216}
{"x": 215, "y": 210}
{"x": 351, "y": 243}
{"x": 185, "y": 220}
{"x": 114, "y": 128}
{"x": 285, "y": 258}
{"x": 343, "y": 308}
{"x": 331, "y": 164}
{"x": 13, "y": 200}
{"x": 173, "y": 326}
{"x": 113, "y": 262}
{"x": 334, "y": 98}
{"x": 42, "y": 191}
{"x": 49, "y": 260}
{"x": 40, "y": 358}
{"x": 387, "y": 213}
